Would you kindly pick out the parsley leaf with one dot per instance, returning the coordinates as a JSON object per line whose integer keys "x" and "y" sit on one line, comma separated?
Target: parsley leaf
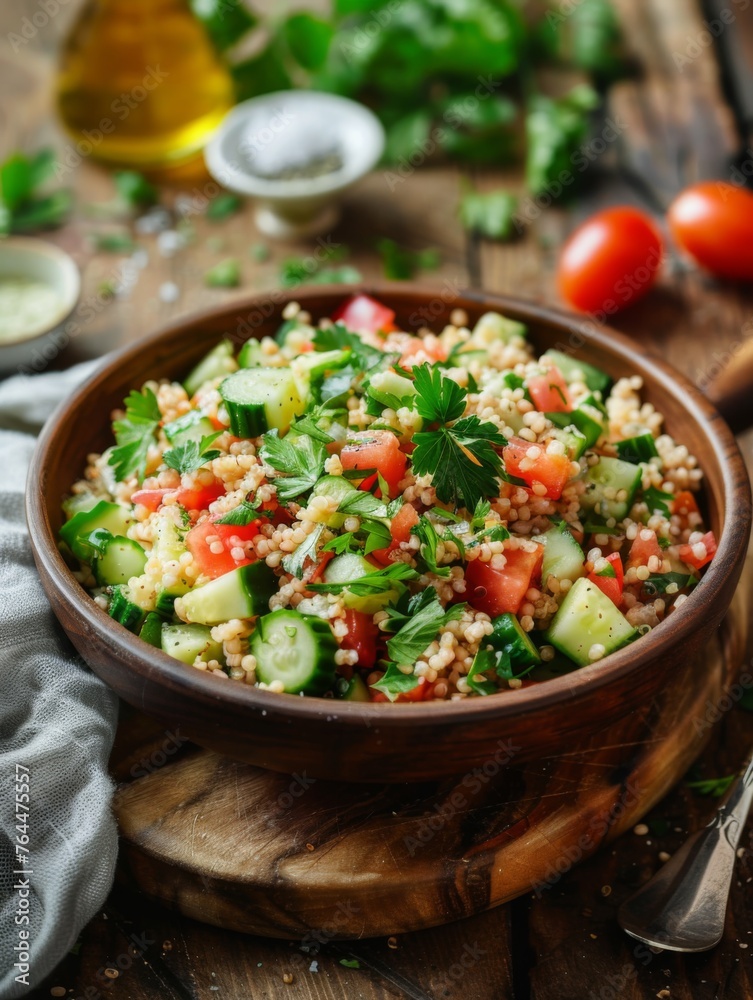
{"x": 134, "y": 434}
{"x": 378, "y": 582}
{"x": 407, "y": 644}
{"x": 298, "y": 463}
{"x": 400, "y": 264}
{"x": 429, "y": 538}
{"x": 394, "y": 682}
{"x": 246, "y": 512}
{"x": 657, "y": 500}
{"x": 318, "y": 420}
{"x": 658, "y": 583}
{"x": 192, "y": 455}
{"x": 295, "y": 561}
{"x": 491, "y": 214}
{"x": 484, "y": 662}
{"x": 337, "y": 337}
{"x": 439, "y": 399}
{"x": 712, "y": 786}
{"x": 480, "y": 514}
{"x": 362, "y": 504}
{"x": 341, "y": 543}
{"x": 223, "y": 206}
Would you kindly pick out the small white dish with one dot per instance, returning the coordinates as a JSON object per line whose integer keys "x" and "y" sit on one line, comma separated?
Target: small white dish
{"x": 284, "y": 129}
{"x": 30, "y": 259}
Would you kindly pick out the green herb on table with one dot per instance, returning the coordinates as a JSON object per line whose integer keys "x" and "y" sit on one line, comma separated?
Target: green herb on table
{"x": 350, "y": 963}
{"x": 191, "y": 455}
{"x": 400, "y": 264}
{"x": 556, "y": 130}
{"x": 223, "y": 206}
{"x": 226, "y": 274}
{"x": 113, "y": 242}
{"x": 135, "y": 433}
{"x": 460, "y": 452}
{"x": 226, "y": 21}
{"x": 296, "y": 271}
{"x": 297, "y": 464}
{"x": 24, "y": 205}
{"x": 490, "y": 214}
{"x": 259, "y": 252}
{"x": 715, "y": 787}
{"x": 586, "y": 35}
{"x": 134, "y": 190}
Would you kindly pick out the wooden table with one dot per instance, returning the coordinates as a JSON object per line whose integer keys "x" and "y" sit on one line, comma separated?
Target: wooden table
{"x": 673, "y": 126}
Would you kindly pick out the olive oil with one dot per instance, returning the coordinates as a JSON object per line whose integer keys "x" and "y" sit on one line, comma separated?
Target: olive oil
{"x": 140, "y": 84}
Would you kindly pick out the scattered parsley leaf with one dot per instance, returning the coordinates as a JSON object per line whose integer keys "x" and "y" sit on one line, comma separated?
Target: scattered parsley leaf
{"x": 439, "y": 399}
{"x": 657, "y": 583}
{"x": 491, "y": 214}
{"x": 555, "y": 129}
{"x": 223, "y": 206}
{"x": 134, "y": 435}
{"x": 23, "y": 206}
{"x": 295, "y": 561}
{"x": 712, "y": 786}
{"x": 657, "y": 500}
{"x": 496, "y": 533}
{"x": 400, "y": 264}
{"x": 394, "y": 682}
{"x": 298, "y": 463}
{"x": 409, "y": 642}
{"x": 316, "y": 421}
{"x": 338, "y": 337}
{"x": 480, "y": 513}
{"x": 191, "y": 455}
{"x": 226, "y": 274}
{"x": 259, "y": 252}
{"x": 429, "y": 539}
{"x": 351, "y": 963}
{"x": 341, "y": 543}
{"x": 113, "y": 242}
{"x": 134, "y": 190}
{"x": 362, "y": 504}
{"x": 378, "y": 582}
{"x": 246, "y": 512}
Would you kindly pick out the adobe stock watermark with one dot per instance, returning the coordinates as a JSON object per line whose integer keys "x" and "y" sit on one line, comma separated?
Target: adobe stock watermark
{"x": 470, "y": 956}
{"x": 22, "y": 871}
{"x": 696, "y": 43}
{"x": 352, "y": 45}
{"x": 33, "y": 23}
{"x": 159, "y": 756}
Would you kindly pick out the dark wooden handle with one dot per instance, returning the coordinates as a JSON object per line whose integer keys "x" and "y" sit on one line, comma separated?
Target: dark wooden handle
{"x": 731, "y": 389}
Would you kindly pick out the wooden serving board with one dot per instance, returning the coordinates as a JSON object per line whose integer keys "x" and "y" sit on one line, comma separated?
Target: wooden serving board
{"x": 289, "y": 856}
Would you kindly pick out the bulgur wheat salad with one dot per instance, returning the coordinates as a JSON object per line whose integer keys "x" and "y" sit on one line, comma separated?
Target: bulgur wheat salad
{"x": 354, "y": 511}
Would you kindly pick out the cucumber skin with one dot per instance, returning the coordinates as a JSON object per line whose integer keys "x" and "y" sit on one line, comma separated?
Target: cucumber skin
{"x": 592, "y": 498}
{"x": 569, "y": 631}
{"x": 196, "y": 640}
{"x": 241, "y": 593}
{"x": 508, "y": 635}
{"x": 219, "y": 361}
{"x": 594, "y": 377}
{"x": 151, "y": 630}
{"x": 108, "y": 569}
{"x": 321, "y": 675}
{"x": 348, "y": 568}
{"x": 249, "y": 418}
{"x": 560, "y": 547}
{"x": 102, "y": 515}
{"x": 124, "y": 611}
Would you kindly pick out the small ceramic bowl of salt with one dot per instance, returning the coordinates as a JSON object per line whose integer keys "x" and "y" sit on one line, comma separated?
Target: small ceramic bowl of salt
{"x": 296, "y": 152}
{"x": 39, "y": 289}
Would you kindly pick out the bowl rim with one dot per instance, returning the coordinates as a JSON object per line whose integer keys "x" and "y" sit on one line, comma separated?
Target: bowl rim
{"x": 154, "y": 663}
{"x": 66, "y": 265}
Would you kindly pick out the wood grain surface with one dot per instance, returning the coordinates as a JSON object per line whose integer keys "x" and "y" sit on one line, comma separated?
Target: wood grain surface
{"x": 564, "y": 944}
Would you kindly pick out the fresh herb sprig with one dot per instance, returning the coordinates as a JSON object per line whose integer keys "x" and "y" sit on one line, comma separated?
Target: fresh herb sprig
{"x": 134, "y": 434}
{"x": 191, "y": 455}
{"x": 297, "y": 463}
{"x": 246, "y": 512}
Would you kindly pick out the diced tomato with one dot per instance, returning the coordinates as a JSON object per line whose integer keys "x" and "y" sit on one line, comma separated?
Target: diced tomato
{"x": 321, "y": 566}
{"x": 214, "y": 564}
{"x": 197, "y": 499}
{"x": 496, "y": 591}
{"x": 423, "y": 691}
{"x": 365, "y": 314}
{"x": 552, "y": 471}
{"x": 642, "y": 548}
{"x": 361, "y": 636}
{"x": 610, "y": 579}
{"x": 376, "y": 450}
{"x": 416, "y": 345}
{"x": 549, "y": 391}
{"x": 684, "y": 504}
{"x": 689, "y": 557}
{"x": 400, "y": 529}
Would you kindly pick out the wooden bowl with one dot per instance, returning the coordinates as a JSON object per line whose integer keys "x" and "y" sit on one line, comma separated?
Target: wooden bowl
{"x": 382, "y": 742}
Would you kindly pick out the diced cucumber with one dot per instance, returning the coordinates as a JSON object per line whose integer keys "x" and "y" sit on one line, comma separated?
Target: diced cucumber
{"x": 493, "y": 327}
{"x": 168, "y": 546}
{"x": 387, "y": 389}
{"x": 573, "y": 440}
{"x": 217, "y": 363}
{"x": 242, "y": 593}
{"x": 314, "y": 364}
{"x": 348, "y": 568}
{"x": 585, "y": 419}
{"x": 612, "y": 474}
{"x": 75, "y": 533}
{"x": 192, "y": 426}
{"x": 576, "y": 370}
{"x": 641, "y": 448}
{"x": 508, "y": 636}
{"x": 151, "y": 630}
{"x": 260, "y": 399}
{"x": 79, "y": 503}
{"x": 165, "y": 602}
{"x": 335, "y": 487}
{"x": 251, "y": 355}
{"x": 295, "y": 649}
{"x": 587, "y": 617}
{"x": 124, "y": 610}
{"x": 355, "y": 689}
{"x": 119, "y": 559}
{"x": 187, "y": 642}
{"x": 595, "y": 400}
{"x": 563, "y": 557}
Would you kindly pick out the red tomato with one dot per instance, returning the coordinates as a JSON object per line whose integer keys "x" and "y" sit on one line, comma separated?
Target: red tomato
{"x": 610, "y": 261}
{"x": 214, "y": 564}
{"x": 610, "y": 585}
{"x": 365, "y": 314}
{"x": 415, "y": 346}
{"x": 684, "y": 504}
{"x": 151, "y": 499}
{"x": 362, "y": 636}
{"x": 642, "y": 549}
{"x": 498, "y": 590}
{"x": 549, "y": 392}
{"x": 198, "y": 499}
{"x": 713, "y": 222}
{"x": 553, "y": 471}
{"x": 400, "y": 528}
{"x": 691, "y": 559}
{"x": 423, "y": 691}
{"x": 375, "y": 450}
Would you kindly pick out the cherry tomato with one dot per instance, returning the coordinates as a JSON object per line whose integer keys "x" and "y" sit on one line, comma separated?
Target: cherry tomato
{"x": 496, "y": 591}
{"x": 549, "y": 391}
{"x": 361, "y": 636}
{"x": 610, "y": 579}
{"x": 362, "y": 313}
{"x": 689, "y": 557}
{"x": 553, "y": 471}
{"x": 214, "y": 564}
{"x": 642, "y": 549}
{"x": 196, "y": 499}
{"x": 375, "y": 450}
{"x": 400, "y": 529}
{"x": 713, "y": 222}
{"x": 610, "y": 261}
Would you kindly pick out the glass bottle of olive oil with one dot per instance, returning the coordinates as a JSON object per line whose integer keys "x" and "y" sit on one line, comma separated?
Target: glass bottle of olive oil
{"x": 140, "y": 84}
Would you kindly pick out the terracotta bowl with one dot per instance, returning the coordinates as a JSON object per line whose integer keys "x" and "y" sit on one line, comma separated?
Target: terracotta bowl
{"x": 383, "y": 742}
